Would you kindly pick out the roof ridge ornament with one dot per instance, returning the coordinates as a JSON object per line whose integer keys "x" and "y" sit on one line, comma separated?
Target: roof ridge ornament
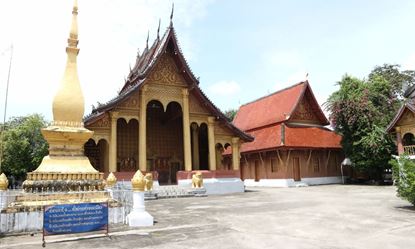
{"x": 158, "y": 30}
{"x": 171, "y": 15}
{"x": 148, "y": 35}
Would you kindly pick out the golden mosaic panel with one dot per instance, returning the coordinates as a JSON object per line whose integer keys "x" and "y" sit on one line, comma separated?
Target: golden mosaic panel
{"x": 166, "y": 72}
{"x": 103, "y": 122}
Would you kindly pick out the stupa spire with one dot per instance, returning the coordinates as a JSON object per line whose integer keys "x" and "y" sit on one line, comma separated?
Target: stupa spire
{"x": 68, "y": 104}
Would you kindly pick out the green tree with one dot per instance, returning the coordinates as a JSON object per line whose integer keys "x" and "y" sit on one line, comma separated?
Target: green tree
{"x": 24, "y": 146}
{"x": 404, "y": 177}
{"x": 230, "y": 113}
{"x": 361, "y": 110}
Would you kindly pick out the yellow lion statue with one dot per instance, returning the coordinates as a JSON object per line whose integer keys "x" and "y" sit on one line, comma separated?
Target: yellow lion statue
{"x": 197, "y": 180}
{"x": 148, "y": 179}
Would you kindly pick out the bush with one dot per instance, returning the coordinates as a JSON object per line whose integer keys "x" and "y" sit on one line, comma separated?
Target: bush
{"x": 404, "y": 177}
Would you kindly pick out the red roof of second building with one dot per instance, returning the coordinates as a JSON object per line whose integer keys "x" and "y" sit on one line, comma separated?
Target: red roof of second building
{"x": 270, "y": 109}
{"x": 277, "y": 136}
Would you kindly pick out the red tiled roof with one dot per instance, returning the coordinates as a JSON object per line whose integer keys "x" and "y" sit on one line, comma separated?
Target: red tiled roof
{"x": 311, "y": 137}
{"x": 270, "y": 109}
{"x": 265, "y": 138}
{"x": 295, "y": 137}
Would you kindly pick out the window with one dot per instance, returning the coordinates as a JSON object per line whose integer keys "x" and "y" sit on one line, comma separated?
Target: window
{"x": 316, "y": 165}
{"x": 274, "y": 165}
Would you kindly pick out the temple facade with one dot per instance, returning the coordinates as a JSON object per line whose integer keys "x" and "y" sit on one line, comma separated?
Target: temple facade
{"x": 292, "y": 146}
{"x": 162, "y": 122}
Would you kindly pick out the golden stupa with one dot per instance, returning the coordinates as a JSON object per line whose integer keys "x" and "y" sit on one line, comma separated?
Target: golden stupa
{"x": 66, "y": 168}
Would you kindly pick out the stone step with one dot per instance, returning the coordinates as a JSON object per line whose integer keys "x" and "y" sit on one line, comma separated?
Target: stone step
{"x": 174, "y": 191}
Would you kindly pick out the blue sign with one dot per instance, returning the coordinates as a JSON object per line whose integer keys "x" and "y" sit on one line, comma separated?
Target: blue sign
{"x": 75, "y": 218}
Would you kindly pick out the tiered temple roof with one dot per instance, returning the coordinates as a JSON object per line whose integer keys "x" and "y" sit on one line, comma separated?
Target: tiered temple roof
{"x": 144, "y": 66}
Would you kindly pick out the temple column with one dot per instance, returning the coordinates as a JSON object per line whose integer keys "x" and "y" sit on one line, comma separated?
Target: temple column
{"x": 195, "y": 148}
{"x": 235, "y": 153}
{"x": 186, "y": 132}
{"x": 211, "y": 138}
{"x": 142, "y": 131}
{"x": 112, "y": 167}
{"x": 399, "y": 141}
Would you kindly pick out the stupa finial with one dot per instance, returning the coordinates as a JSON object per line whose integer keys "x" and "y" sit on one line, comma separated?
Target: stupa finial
{"x": 68, "y": 104}
{"x": 73, "y": 35}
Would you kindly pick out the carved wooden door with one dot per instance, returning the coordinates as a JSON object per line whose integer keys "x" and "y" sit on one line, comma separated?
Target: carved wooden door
{"x": 296, "y": 169}
{"x": 257, "y": 171}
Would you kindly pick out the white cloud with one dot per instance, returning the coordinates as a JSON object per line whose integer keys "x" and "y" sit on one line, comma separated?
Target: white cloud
{"x": 224, "y": 88}
{"x": 110, "y": 33}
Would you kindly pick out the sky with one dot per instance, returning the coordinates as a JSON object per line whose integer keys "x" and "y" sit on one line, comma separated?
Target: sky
{"x": 241, "y": 50}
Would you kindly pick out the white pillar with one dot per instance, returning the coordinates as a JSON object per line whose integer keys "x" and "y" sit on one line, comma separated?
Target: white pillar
{"x": 138, "y": 216}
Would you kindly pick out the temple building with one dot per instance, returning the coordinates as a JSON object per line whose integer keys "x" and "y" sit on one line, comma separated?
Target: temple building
{"x": 403, "y": 125}
{"x": 162, "y": 122}
{"x": 292, "y": 146}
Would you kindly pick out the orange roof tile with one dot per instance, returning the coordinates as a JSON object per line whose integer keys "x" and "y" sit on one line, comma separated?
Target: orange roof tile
{"x": 270, "y": 109}
{"x": 312, "y": 137}
{"x": 295, "y": 137}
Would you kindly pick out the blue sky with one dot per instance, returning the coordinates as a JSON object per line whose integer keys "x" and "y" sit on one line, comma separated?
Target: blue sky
{"x": 241, "y": 50}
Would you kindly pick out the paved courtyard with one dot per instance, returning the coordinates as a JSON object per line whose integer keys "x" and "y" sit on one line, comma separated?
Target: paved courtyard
{"x": 329, "y": 217}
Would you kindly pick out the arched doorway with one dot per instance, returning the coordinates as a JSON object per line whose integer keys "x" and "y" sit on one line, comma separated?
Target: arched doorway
{"x": 165, "y": 140}
{"x": 127, "y": 145}
{"x": 97, "y": 154}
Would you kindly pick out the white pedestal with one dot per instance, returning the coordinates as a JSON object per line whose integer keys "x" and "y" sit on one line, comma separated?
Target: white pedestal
{"x": 139, "y": 217}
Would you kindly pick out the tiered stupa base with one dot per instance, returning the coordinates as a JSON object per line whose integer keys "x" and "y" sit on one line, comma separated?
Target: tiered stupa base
{"x": 38, "y": 182}
{"x": 29, "y": 202}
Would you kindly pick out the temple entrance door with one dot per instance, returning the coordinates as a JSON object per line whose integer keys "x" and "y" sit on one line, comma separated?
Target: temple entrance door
{"x": 256, "y": 170}
{"x": 296, "y": 169}
{"x": 165, "y": 140}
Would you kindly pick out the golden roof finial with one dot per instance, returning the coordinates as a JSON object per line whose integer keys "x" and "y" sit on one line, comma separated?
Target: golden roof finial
{"x": 73, "y": 35}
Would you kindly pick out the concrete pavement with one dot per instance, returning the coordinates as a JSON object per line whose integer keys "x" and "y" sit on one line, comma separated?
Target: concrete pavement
{"x": 332, "y": 216}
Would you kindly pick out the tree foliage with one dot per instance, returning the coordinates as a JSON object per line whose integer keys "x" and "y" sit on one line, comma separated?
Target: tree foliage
{"x": 404, "y": 177}
{"x": 361, "y": 110}
{"x": 231, "y": 113}
{"x": 24, "y": 145}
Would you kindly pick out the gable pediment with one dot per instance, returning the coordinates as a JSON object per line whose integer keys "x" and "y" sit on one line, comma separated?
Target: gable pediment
{"x": 306, "y": 111}
{"x": 166, "y": 72}
{"x": 407, "y": 118}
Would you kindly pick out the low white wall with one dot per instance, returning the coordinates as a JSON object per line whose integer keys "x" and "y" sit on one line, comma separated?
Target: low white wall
{"x": 292, "y": 183}
{"x": 33, "y": 221}
{"x": 218, "y": 186}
